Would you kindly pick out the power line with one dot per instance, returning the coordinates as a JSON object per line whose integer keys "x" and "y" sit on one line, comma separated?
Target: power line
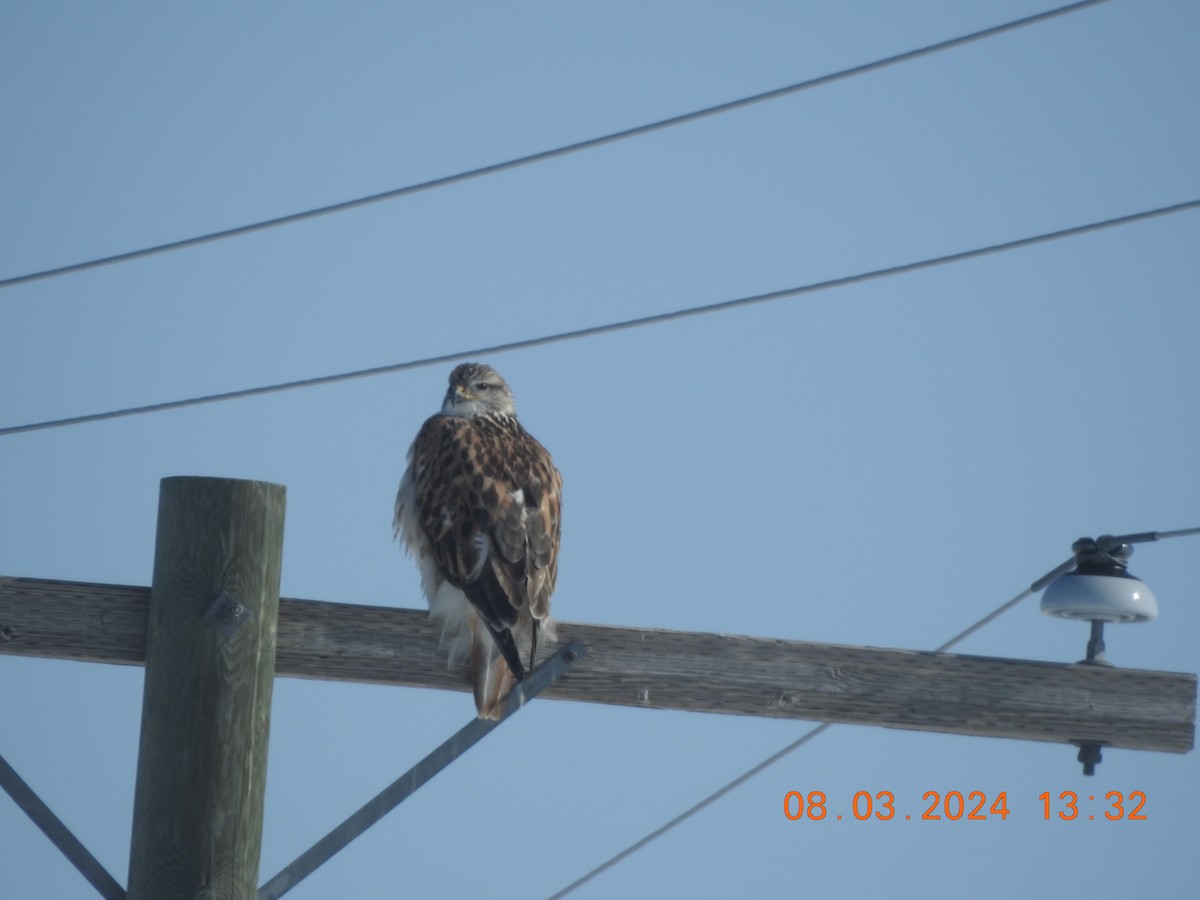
{"x": 564, "y": 150}
{"x": 1036, "y": 586}
{"x": 794, "y": 745}
{"x": 594, "y": 330}
{"x": 691, "y": 811}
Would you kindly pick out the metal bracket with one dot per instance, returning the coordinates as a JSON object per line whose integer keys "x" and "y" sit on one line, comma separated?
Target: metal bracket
{"x": 408, "y": 783}
{"x": 1089, "y": 755}
{"x": 225, "y": 616}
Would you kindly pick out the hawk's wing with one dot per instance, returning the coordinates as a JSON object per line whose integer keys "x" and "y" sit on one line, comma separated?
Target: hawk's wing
{"x": 489, "y": 501}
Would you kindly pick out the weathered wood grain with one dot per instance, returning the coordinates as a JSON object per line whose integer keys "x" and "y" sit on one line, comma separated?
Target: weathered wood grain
{"x": 201, "y": 776}
{"x": 1019, "y": 699}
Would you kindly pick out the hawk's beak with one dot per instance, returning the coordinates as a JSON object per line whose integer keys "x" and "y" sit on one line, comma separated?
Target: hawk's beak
{"x": 460, "y": 393}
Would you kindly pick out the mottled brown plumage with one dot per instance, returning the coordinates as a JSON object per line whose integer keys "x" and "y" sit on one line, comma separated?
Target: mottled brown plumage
{"x": 479, "y": 507}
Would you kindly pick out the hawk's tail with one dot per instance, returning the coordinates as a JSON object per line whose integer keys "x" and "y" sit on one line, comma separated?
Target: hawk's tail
{"x": 491, "y": 677}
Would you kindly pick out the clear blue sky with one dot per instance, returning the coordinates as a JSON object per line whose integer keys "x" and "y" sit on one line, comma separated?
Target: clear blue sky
{"x": 873, "y": 465}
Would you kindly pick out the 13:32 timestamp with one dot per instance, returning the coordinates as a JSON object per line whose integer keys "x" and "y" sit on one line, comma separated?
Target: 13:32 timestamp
{"x": 969, "y": 806}
{"x": 1114, "y": 805}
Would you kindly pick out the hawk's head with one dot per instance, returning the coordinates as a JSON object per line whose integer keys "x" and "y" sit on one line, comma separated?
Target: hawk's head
{"x": 477, "y": 390}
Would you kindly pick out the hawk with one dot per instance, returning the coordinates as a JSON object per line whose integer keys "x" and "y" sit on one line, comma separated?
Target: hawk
{"x": 479, "y": 508}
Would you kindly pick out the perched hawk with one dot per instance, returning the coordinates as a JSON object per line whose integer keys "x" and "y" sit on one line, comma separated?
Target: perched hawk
{"x": 479, "y": 507}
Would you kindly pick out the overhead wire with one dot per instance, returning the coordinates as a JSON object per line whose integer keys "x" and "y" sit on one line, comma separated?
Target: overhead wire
{"x": 555, "y": 152}
{"x": 1061, "y": 569}
{"x": 796, "y": 744}
{"x": 610, "y": 327}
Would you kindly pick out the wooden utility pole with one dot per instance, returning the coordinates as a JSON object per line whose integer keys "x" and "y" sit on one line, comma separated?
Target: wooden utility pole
{"x": 210, "y": 666}
{"x": 208, "y": 628}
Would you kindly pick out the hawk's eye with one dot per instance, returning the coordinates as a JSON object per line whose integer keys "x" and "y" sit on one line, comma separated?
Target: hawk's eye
{"x": 483, "y": 386}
